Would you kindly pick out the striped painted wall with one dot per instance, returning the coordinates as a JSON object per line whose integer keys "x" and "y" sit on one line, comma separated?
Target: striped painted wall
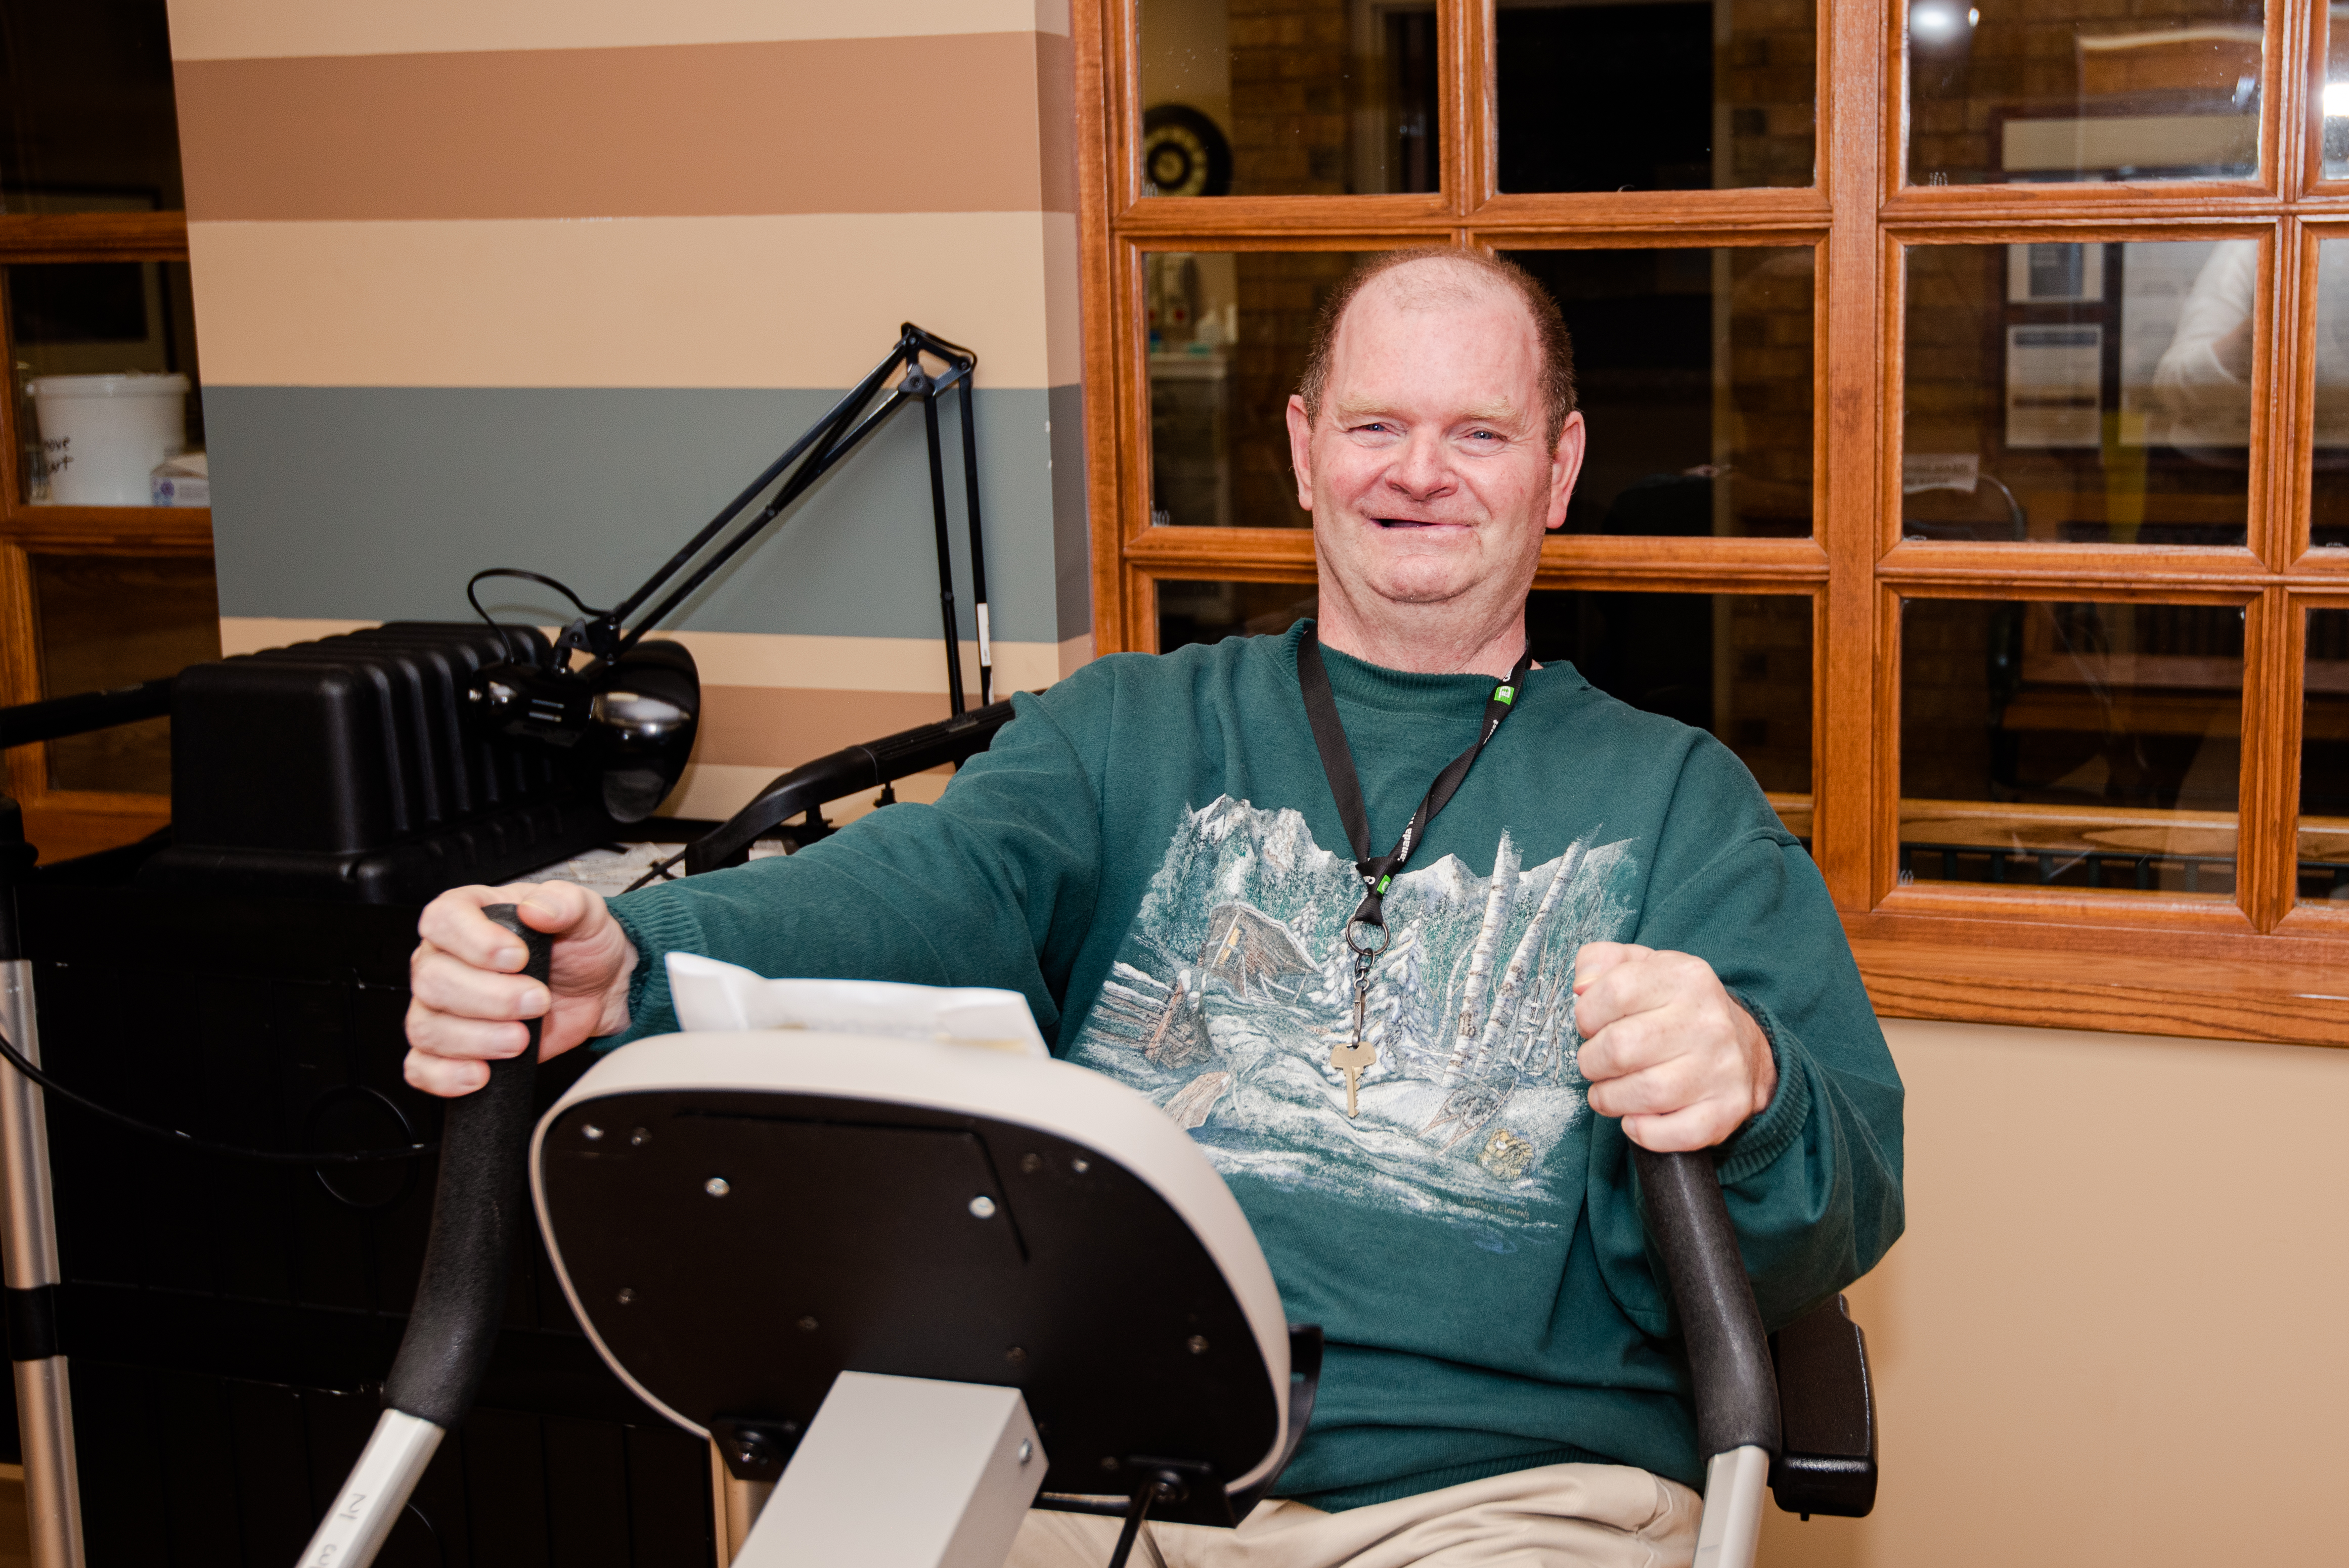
{"x": 543, "y": 283}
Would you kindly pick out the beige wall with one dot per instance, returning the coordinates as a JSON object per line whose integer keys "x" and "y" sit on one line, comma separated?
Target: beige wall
{"x": 2114, "y": 1333}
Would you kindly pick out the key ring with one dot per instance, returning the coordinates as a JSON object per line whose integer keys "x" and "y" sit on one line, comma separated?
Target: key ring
{"x": 1361, "y": 954}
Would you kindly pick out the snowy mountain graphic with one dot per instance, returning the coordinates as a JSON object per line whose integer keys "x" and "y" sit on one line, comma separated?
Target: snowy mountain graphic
{"x": 1234, "y": 984}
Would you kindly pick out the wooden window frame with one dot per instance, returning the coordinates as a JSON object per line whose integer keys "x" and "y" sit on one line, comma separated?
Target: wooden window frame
{"x": 67, "y": 822}
{"x": 2259, "y": 967}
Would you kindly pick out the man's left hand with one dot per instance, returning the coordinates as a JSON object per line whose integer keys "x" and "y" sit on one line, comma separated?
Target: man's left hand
{"x": 1666, "y": 1049}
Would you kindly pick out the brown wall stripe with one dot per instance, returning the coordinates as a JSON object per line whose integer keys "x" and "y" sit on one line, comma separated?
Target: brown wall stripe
{"x": 836, "y": 125}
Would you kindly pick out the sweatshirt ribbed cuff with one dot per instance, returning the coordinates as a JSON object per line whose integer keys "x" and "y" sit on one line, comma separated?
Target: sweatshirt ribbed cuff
{"x": 1761, "y": 1140}
{"x": 656, "y": 925}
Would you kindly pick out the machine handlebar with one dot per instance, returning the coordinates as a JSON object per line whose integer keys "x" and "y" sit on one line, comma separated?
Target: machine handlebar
{"x": 1729, "y": 1353}
{"x": 480, "y": 1208}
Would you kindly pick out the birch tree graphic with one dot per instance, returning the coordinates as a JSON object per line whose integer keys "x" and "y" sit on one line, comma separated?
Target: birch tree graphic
{"x": 1480, "y": 957}
{"x": 1524, "y": 962}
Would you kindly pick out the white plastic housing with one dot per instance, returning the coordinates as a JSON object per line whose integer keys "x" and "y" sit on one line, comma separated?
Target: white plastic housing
{"x": 1052, "y": 1096}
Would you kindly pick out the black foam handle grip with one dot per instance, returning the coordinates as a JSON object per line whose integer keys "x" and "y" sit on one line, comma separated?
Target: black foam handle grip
{"x": 480, "y": 1207}
{"x": 1729, "y": 1355}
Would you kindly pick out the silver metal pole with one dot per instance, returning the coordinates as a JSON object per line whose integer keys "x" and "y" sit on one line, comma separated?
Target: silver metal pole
{"x": 29, "y": 1249}
{"x": 375, "y": 1495}
{"x": 1730, "y": 1530}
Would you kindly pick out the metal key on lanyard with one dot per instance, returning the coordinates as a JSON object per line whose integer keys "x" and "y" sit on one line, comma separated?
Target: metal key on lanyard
{"x": 1357, "y": 1058}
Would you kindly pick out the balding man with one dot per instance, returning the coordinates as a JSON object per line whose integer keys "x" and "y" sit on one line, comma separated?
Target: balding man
{"x": 1411, "y": 933}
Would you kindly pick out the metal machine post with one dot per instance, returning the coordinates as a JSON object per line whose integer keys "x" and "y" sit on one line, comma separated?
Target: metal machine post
{"x": 903, "y": 1472}
{"x": 43, "y": 1397}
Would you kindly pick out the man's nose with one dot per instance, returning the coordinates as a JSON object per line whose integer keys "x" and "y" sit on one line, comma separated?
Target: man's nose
{"x": 1422, "y": 471}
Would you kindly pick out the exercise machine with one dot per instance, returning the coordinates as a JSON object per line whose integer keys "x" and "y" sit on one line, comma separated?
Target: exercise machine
{"x": 910, "y": 1288}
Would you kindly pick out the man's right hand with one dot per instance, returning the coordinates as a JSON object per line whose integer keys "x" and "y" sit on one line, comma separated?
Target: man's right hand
{"x": 468, "y": 996}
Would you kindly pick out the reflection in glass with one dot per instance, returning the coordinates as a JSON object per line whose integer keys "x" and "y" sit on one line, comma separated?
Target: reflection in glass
{"x": 1677, "y": 96}
{"x": 2329, "y": 500}
{"x": 2337, "y": 93}
{"x": 2083, "y": 745}
{"x": 2325, "y": 760}
{"x": 1736, "y": 665}
{"x": 1287, "y": 97}
{"x": 1228, "y": 333}
{"x": 1196, "y": 612}
{"x": 2080, "y": 392}
{"x": 2080, "y": 89}
{"x": 108, "y": 621}
{"x": 84, "y": 435}
{"x": 91, "y": 125}
{"x": 1692, "y": 370}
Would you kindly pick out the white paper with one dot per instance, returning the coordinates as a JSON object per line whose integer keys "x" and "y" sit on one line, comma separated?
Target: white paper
{"x": 708, "y": 995}
{"x": 2055, "y": 379}
{"x": 1959, "y": 471}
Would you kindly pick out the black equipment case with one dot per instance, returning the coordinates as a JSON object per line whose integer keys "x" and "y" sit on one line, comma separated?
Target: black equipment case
{"x": 345, "y": 769}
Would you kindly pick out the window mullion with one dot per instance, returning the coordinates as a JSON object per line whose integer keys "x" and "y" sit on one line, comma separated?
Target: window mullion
{"x": 1849, "y": 403}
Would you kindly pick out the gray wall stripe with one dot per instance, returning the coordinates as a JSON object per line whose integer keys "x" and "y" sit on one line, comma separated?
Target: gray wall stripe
{"x": 379, "y": 502}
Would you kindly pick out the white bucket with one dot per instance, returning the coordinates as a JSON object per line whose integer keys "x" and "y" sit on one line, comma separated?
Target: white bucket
{"x": 103, "y": 435}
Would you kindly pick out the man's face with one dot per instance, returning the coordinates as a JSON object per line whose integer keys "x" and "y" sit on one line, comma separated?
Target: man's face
{"x": 1429, "y": 472}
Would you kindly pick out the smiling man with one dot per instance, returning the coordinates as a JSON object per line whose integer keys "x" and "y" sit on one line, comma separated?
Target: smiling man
{"x": 1413, "y": 935}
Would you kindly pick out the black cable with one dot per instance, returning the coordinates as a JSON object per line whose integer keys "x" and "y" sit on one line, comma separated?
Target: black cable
{"x": 658, "y": 873}
{"x": 538, "y": 577}
{"x": 179, "y": 1139}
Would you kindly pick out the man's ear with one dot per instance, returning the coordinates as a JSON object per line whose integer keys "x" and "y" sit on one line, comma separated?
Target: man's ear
{"x": 1566, "y": 464}
{"x": 1300, "y": 450}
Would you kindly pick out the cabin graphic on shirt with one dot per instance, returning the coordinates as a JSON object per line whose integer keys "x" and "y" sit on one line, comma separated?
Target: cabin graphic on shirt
{"x": 1235, "y": 982}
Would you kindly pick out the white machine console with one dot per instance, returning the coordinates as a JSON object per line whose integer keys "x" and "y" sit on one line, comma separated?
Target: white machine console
{"x": 757, "y": 1226}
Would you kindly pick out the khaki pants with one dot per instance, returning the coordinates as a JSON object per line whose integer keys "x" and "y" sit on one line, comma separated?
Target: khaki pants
{"x": 1553, "y": 1516}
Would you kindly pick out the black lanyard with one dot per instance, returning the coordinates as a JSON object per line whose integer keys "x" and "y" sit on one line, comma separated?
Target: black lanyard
{"x": 1378, "y": 873}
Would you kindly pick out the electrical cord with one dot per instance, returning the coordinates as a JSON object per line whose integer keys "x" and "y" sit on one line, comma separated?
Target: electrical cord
{"x": 173, "y": 1136}
{"x": 540, "y": 578}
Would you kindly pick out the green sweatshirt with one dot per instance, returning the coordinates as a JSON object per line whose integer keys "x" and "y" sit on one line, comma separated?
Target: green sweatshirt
{"x": 1151, "y": 852}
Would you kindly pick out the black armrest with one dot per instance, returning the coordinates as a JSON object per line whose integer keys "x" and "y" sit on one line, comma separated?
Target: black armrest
{"x": 844, "y": 772}
{"x": 1829, "y": 1464}
{"x": 59, "y": 716}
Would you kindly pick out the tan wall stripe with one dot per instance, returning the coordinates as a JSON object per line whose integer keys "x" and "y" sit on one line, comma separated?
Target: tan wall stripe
{"x": 780, "y": 729}
{"x": 909, "y": 665}
{"x": 253, "y": 29}
{"x": 807, "y": 300}
{"x": 844, "y": 125}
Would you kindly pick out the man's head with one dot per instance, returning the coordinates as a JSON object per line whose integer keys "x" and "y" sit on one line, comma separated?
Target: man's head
{"x": 1434, "y": 439}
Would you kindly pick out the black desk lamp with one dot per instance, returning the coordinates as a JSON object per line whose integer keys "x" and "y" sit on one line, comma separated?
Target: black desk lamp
{"x": 630, "y": 711}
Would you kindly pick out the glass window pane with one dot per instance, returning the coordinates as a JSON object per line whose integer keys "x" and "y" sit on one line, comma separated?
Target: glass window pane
{"x": 1203, "y": 612}
{"x": 2329, "y": 500}
{"x": 1680, "y": 96}
{"x": 2083, "y": 745}
{"x": 110, "y": 621}
{"x": 2337, "y": 93}
{"x": 91, "y": 125}
{"x": 1692, "y": 370}
{"x": 1288, "y": 97}
{"x": 2325, "y": 760}
{"x": 2012, "y": 91}
{"x": 1228, "y": 333}
{"x": 1736, "y": 665}
{"x": 2087, "y": 393}
{"x": 87, "y": 436}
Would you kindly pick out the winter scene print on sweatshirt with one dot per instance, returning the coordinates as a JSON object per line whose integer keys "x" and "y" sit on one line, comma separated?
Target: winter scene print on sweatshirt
{"x": 1235, "y": 982}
